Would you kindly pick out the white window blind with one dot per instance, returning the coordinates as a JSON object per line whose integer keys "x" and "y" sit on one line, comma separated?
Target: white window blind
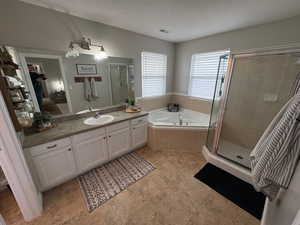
{"x": 203, "y": 74}
{"x": 154, "y": 70}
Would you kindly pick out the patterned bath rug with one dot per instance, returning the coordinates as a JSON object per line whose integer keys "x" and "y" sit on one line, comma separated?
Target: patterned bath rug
{"x": 101, "y": 184}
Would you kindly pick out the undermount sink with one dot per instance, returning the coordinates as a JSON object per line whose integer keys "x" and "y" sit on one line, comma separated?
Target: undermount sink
{"x": 103, "y": 119}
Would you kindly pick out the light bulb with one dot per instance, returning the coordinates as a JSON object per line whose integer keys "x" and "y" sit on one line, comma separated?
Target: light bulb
{"x": 72, "y": 52}
{"x": 101, "y": 54}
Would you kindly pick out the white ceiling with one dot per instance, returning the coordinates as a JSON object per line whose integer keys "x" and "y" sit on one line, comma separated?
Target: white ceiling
{"x": 184, "y": 19}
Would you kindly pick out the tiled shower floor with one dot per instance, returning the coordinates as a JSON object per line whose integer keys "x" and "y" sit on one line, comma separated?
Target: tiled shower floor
{"x": 235, "y": 152}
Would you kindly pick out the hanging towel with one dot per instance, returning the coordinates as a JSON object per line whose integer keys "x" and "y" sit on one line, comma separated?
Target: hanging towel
{"x": 297, "y": 218}
{"x": 296, "y": 87}
{"x": 276, "y": 154}
{"x": 87, "y": 89}
{"x": 94, "y": 88}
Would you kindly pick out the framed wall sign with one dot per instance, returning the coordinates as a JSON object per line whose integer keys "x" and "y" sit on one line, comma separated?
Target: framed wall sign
{"x": 86, "y": 69}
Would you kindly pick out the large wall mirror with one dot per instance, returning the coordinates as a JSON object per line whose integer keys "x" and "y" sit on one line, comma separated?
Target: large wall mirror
{"x": 63, "y": 86}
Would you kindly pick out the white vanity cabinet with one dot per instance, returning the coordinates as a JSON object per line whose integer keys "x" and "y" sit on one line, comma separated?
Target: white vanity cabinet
{"x": 139, "y": 132}
{"x": 118, "y": 139}
{"x": 53, "y": 163}
{"x": 90, "y": 149}
{"x": 58, "y": 161}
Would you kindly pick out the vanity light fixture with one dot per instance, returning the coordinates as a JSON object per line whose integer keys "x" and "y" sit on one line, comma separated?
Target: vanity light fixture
{"x": 101, "y": 54}
{"x": 72, "y": 51}
{"x": 85, "y": 43}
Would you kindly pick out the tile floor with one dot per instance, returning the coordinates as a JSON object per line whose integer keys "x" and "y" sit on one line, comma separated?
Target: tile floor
{"x": 170, "y": 195}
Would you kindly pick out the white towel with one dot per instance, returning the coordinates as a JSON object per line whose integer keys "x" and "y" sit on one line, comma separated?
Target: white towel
{"x": 2, "y": 222}
{"x": 87, "y": 89}
{"x": 297, "y": 218}
{"x": 276, "y": 154}
{"x": 296, "y": 87}
{"x": 94, "y": 88}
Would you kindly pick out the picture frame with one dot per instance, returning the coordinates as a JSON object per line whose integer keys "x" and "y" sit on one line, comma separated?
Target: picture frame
{"x": 86, "y": 69}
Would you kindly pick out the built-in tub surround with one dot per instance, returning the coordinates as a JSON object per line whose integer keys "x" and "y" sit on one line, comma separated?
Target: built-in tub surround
{"x": 192, "y": 103}
{"x": 185, "y": 101}
{"x": 183, "y": 131}
{"x": 151, "y": 103}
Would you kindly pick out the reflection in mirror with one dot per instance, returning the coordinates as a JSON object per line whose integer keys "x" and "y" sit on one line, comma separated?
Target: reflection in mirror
{"x": 48, "y": 87}
{"x": 119, "y": 84}
{"x": 63, "y": 86}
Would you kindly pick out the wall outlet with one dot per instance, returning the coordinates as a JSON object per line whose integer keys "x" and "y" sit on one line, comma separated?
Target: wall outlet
{"x": 270, "y": 97}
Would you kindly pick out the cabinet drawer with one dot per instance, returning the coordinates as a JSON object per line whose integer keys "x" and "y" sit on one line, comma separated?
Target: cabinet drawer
{"x": 50, "y": 146}
{"x": 117, "y": 126}
{"x": 88, "y": 135}
{"x": 140, "y": 120}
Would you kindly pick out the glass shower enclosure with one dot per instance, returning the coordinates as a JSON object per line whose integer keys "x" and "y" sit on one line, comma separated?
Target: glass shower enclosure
{"x": 246, "y": 99}
{"x": 119, "y": 82}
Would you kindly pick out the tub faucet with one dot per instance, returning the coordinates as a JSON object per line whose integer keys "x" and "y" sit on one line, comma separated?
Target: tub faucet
{"x": 97, "y": 115}
{"x": 180, "y": 119}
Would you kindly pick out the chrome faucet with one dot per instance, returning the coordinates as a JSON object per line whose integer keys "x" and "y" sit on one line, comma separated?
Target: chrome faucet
{"x": 180, "y": 119}
{"x": 97, "y": 115}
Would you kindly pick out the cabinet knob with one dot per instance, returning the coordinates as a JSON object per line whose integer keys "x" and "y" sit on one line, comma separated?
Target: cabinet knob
{"x": 69, "y": 149}
{"x": 104, "y": 137}
{"x": 109, "y": 136}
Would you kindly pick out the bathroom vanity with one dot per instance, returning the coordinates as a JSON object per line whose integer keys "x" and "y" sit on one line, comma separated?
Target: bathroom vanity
{"x": 73, "y": 148}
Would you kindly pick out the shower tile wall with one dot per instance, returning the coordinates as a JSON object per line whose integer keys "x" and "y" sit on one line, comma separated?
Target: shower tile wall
{"x": 259, "y": 87}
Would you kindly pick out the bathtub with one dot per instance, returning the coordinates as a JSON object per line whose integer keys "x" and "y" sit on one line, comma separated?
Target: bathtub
{"x": 185, "y": 118}
{"x": 183, "y": 131}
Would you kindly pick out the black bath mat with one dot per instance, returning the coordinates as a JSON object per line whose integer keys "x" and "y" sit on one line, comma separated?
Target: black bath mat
{"x": 238, "y": 191}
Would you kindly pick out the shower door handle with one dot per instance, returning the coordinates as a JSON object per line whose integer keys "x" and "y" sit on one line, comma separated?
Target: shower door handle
{"x": 221, "y": 85}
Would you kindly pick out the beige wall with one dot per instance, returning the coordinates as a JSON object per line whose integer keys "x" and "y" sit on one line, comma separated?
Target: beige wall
{"x": 28, "y": 26}
{"x": 248, "y": 110}
{"x": 279, "y": 33}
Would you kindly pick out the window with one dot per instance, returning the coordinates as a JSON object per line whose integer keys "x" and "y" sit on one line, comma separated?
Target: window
{"x": 203, "y": 74}
{"x": 154, "y": 70}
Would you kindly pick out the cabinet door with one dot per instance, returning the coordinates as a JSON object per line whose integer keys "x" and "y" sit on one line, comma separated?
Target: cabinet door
{"x": 119, "y": 142}
{"x": 91, "y": 153}
{"x": 55, "y": 167}
{"x": 139, "y": 135}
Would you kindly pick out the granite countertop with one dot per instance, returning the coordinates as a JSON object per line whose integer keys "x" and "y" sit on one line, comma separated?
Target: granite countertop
{"x": 74, "y": 126}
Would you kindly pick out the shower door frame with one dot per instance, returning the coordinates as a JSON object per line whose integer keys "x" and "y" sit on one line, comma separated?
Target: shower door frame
{"x": 228, "y": 75}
